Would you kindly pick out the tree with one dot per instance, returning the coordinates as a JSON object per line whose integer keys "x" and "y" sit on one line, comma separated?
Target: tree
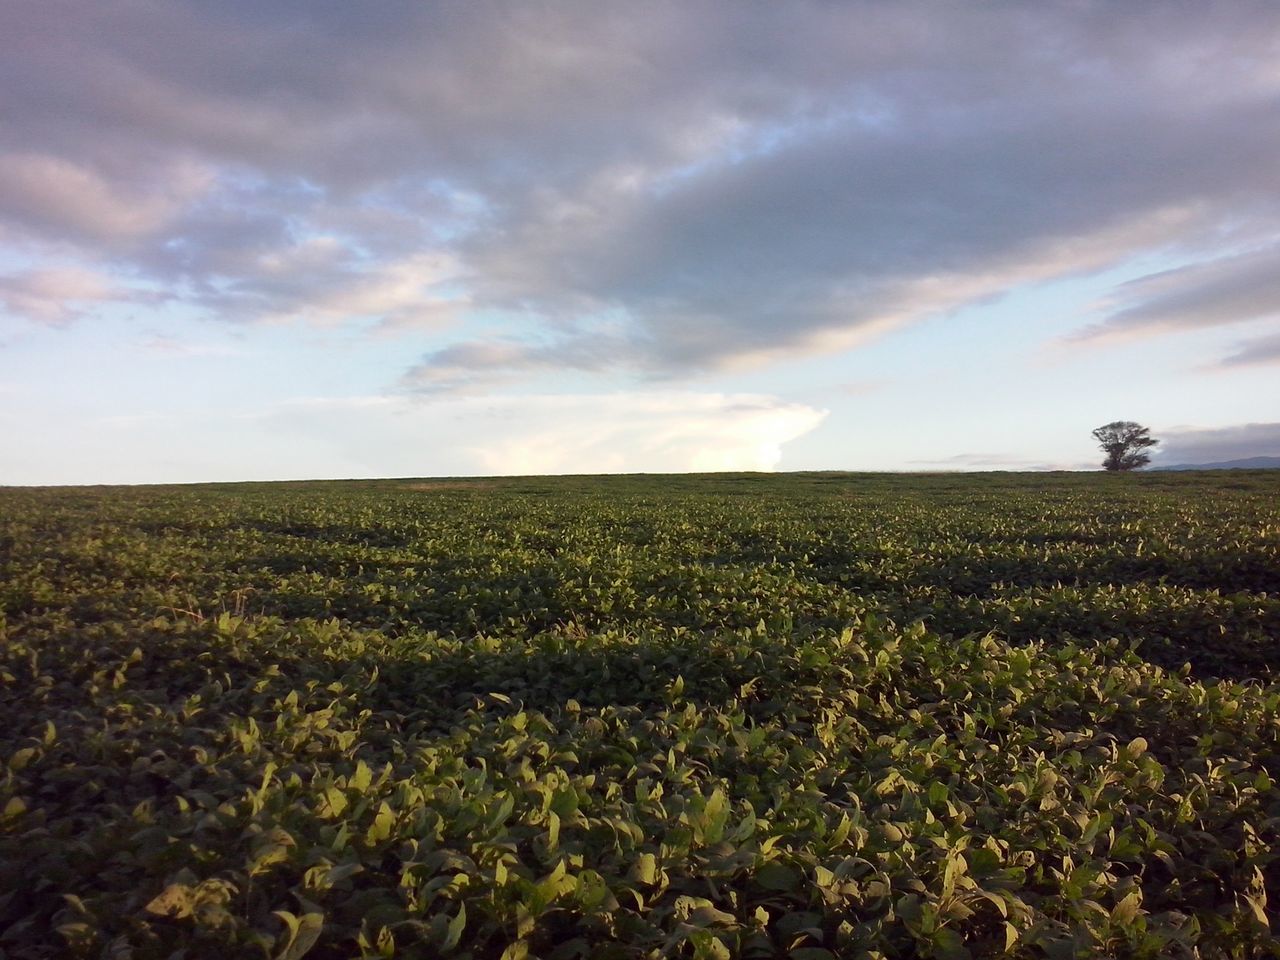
{"x": 1125, "y": 443}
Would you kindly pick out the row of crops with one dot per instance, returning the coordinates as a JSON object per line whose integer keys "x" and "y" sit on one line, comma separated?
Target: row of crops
{"x": 731, "y": 716}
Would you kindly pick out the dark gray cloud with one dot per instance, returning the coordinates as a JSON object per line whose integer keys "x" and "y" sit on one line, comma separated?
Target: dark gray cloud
{"x": 1256, "y": 352}
{"x": 1230, "y": 289}
{"x": 662, "y": 188}
{"x": 1217, "y": 445}
{"x": 464, "y": 366}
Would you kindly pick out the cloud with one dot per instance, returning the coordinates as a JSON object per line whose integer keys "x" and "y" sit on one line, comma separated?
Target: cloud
{"x": 185, "y": 349}
{"x": 468, "y": 365}
{"x": 1260, "y": 351}
{"x": 624, "y": 432}
{"x": 65, "y": 199}
{"x": 320, "y": 281}
{"x": 995, "y": 461}
{"x": 666, "y": 432}
{"x": 1217, "y": 444}
{"x": 658, "y": 189}
{"x": 58, "y": 296}
{"x": 1226, "y": 290}
{"x": 463, "y": 366}
{"x": 381, "y": 436}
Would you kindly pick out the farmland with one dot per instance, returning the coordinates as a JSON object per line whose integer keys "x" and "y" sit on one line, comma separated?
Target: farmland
{"x": 823, "y": 715}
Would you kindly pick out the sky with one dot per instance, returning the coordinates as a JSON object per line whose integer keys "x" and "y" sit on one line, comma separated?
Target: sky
{"x": 246, "y": 241}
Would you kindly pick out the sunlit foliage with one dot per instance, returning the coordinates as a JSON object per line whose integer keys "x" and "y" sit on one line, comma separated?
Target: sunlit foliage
{"x": 818, "y": 716}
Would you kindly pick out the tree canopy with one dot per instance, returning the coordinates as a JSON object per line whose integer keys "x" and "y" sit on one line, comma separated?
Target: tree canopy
{"x": 1125, "y": 444}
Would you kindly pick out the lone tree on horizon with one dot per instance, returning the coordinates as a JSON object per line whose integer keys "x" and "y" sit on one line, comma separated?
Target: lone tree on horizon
{"x": 1125, "y": 443}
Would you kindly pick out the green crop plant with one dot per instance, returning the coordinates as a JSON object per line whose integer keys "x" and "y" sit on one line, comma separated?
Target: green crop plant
{"x": 814, "y": 716}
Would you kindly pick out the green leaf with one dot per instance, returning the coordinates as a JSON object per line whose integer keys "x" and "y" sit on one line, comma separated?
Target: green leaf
{"x": 334, "y": 801}
{"x": 174, "y": 901}
{"x": 1257, "y": 907}
{"x": 708, "y": 915}
{"x": 456, "y": 926}
{"x": 303, "y": 934}
{"x": 777, "y": 876}
{"x": 1010, "y": 936}
{"x": 383, "y": 823}
{"x": 1124, "y": 911}
{"x": 362, "y": 779}
{"x": 553, "y": 831}
{"x": 645, "y": 868}
{"x": 565, "y": 802}
{"x": 340, "y": 872}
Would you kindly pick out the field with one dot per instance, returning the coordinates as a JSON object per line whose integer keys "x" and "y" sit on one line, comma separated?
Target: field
{"x": 823, "y": 715}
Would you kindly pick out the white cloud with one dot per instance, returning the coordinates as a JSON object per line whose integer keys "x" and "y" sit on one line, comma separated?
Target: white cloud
{"x": 401, "y": 436}
{"x": 66, "y": 199}
{"x": 318, "y": 282}
{"x": 997, "y": 461}
{"x": 626, "y": 432}
{"x": 633, "y": 432}
{"x": 57, "y": 296}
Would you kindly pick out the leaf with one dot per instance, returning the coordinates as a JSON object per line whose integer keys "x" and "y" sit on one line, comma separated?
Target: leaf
{"x": 565, "y": 802}
{"x": 709, "y": 915}
{"x": 1257, "y": 906}
{"x": 456, "y": 926}
{"x": 645, "y": 868}
{"x": 362, "y": 778}
{"x": 553, "y": 831}
{"x": 334, "y": 801}
{"x": 304, "y": 932}
{"x": 841, "y": 833}
{"x": 1010, "y": 936}
{"x": 500, "y": 815}
{"x": 777, "y": 876}
{"x": 174, "y": 901}
{"x": 716, "y": 812}
{"x": 997, "y": 900}
{"x": 383, "y": 823}
{"x": 1124, "y": 911}
{"x": 342, "y": 871}
{"x": 948, "y": 945}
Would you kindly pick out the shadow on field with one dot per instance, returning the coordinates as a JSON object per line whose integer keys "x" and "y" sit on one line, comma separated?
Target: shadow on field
{"x": 596, "y": 672}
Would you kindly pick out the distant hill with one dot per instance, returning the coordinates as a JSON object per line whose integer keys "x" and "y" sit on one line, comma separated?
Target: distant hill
{"x": 1249, "y": 463}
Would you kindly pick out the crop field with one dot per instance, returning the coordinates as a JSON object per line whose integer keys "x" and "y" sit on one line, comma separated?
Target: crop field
{"x": 816, "y": 716}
